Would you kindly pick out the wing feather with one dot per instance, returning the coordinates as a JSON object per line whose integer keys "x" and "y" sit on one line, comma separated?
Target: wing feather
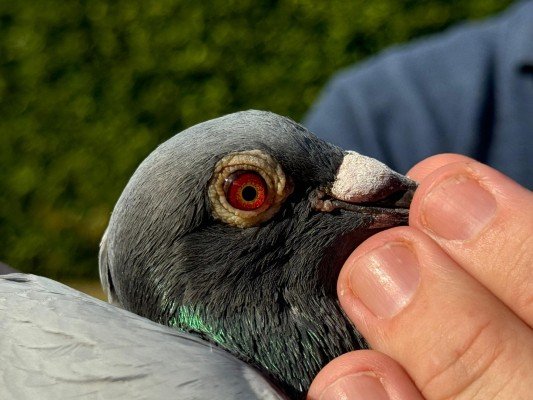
{"x": 56, "y": 342}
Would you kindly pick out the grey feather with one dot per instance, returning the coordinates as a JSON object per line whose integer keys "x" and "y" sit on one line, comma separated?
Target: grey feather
{"x": 57, "y": 343}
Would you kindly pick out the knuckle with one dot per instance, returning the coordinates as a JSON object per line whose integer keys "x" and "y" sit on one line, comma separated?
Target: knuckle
{"x": 463, "y": 366}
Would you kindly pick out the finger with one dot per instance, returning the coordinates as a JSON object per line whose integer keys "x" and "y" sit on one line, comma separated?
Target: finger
{"x": 430, "y": 164}
{"x": 364, "y": 374}
{"x": 453, "y": 337}
{"x": 484, "y": 221}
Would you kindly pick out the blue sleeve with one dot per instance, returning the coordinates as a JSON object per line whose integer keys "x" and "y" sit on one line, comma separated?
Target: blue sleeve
{"x": 432, "y": 96}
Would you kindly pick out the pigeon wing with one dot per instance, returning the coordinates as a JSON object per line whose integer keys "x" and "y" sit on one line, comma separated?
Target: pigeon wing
{"x": 57, "y": 343}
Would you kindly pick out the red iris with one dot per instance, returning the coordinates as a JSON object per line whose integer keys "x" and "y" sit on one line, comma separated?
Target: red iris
{"x": 246, "y": 190}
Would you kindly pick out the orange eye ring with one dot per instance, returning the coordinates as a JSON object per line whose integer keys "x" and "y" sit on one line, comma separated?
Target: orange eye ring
{"x": 246, "y": 190}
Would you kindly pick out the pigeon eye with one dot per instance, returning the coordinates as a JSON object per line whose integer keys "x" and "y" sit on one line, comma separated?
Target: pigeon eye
{"x": 247, "y": 188}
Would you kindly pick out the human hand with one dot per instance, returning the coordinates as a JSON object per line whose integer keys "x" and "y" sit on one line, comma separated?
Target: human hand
{"x": 447, "y": 302}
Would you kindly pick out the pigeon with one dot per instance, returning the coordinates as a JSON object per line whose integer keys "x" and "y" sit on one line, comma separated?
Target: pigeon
{"x": 234, "y": 231}
{"x": 57, "y": 343}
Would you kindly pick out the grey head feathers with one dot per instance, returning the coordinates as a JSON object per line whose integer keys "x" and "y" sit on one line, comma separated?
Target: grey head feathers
{"x": 266, "y": 292}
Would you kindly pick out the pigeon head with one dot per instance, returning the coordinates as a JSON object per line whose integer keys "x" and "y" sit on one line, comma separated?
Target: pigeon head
{"x": 236, "y": 230}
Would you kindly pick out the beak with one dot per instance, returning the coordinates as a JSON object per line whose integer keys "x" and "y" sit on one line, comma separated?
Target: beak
{"x": 367, "y": 186}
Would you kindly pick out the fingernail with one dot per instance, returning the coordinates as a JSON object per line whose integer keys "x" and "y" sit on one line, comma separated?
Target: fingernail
{"x": 458, "y": 208}
{"x": 385, "y": 279}
{"x": 358, "y": 386}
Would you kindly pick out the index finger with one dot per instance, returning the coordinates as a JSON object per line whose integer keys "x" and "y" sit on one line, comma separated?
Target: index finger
{"x": 430, "y": 164}
{"x": 484, "y": 221}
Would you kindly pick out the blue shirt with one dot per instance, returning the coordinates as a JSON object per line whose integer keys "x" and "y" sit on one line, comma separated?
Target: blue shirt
{"x": 468, "y": 91}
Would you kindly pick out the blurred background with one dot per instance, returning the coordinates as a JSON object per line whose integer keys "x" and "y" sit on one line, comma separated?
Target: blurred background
{"x": 89, "y": 88}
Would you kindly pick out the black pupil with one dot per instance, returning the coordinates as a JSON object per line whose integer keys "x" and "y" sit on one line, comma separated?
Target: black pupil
{"x": 249, "y": 193}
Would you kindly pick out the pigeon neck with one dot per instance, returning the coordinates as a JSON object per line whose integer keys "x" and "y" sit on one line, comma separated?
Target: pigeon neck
{"x": 290, "y": 343}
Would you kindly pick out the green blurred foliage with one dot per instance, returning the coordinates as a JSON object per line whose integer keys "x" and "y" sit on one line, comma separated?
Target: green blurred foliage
{"x": 89, "y": 88}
